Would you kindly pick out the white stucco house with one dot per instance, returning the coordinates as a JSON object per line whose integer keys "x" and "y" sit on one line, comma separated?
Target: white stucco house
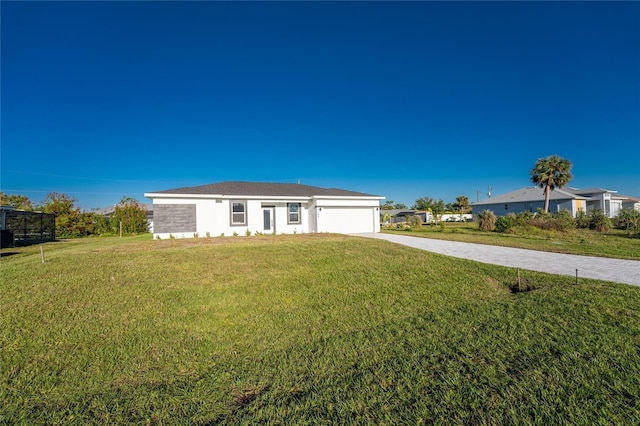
{"x": 241, "y": 208}
{"x": 570, "y": 199}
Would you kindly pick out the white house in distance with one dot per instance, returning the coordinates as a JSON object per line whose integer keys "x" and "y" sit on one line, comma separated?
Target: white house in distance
{"x": 238, "y": 208}
{"x": 570, "y": 199}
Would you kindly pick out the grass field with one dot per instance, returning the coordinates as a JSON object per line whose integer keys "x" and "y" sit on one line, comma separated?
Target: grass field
{"x": 305, "y": 329}
{"x": 614, "y": 244}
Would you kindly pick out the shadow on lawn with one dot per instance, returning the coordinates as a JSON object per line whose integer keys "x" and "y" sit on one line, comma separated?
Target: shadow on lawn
{"x": 9, "y": 253}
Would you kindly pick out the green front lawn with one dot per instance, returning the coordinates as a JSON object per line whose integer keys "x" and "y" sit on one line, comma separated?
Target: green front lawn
{"x": 305, "y": 329}
{"x": 614, "y": 244}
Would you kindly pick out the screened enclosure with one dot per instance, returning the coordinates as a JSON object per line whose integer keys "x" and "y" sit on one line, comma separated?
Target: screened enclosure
{"x": 21, "y": 227}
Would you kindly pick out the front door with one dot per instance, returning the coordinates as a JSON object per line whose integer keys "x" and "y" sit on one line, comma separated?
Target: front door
{"x": 268, "y": 218}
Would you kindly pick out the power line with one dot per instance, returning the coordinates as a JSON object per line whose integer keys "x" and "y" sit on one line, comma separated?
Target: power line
{"x": 85, "y": 177}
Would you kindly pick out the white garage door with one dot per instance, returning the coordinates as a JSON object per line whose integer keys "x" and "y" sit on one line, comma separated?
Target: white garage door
{"x": 343, "y": 220}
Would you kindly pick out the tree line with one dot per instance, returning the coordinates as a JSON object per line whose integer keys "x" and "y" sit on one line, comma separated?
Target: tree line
{"x": 436, "y": 206}
{"x": 548, "y": 173}
{"x": 72, "y": 222}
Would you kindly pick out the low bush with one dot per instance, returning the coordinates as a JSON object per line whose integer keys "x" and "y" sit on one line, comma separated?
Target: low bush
{"x": 414, "y": 221}
{"x": 564, "y": 220}
{"x": 487, "y": 220}
{"x": 628, "y": 219}
{"x": 504, "y": 223}
{"x": 583, "y": 220}
{"x": 521, "y": 219}
{"x": 599, "y": 221}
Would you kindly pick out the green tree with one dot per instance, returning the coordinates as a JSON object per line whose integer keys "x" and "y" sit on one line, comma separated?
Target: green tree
{"x": 386, "y": 217}
{"x": 388, "y": 205}
{"x": 462, "y": 204}
{"x": 20, "y": 202}
{"x": 131, "y": 214}
{"x": 59, "y": 204}
{"x": 399, "y": 206}
{"x": 551, "y": 173}
{"x": 68, "y": 220}
{"x": 436, "y": 207}
{"x": 100, "y": 224}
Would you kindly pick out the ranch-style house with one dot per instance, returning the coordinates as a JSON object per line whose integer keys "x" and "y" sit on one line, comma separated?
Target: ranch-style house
{"x": 243, "y": 208}
{"x": 571, "y": 199}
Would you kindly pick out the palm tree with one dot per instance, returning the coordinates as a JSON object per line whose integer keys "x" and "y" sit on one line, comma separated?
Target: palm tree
{"x": 551, "y": 173}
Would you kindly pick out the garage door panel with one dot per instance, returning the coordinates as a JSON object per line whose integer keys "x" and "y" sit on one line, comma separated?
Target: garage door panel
{"x": 347, "y": 221}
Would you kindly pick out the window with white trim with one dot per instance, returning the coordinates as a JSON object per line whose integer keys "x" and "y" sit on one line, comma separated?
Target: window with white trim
{"x": 293, "y": 213}
{"x": 238, "y": 213}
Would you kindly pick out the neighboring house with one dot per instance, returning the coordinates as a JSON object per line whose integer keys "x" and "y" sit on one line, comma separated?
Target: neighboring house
{"x": 632, "y": 203}
{"x": 571, "y": 199}
{"x": 400, "y": 216}
{"x": 238, "y": 208}
{"x": 600, "y": 199}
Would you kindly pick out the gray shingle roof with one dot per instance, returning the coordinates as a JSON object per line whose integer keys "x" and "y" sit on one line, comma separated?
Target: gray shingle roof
{"x": 587, "y": 191}
{"x": 528, "y": 194}
{"x": 263, "y": 189}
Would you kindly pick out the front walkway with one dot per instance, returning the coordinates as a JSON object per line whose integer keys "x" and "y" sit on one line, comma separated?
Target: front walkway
{"x": 600, "y": 268}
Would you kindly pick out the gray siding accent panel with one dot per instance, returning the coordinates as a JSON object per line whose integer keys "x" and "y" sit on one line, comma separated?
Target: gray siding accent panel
{"x": 172, "y": 218}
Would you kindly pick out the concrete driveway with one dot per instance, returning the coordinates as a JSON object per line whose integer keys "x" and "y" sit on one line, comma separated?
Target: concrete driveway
{"x": 600, "y": 268}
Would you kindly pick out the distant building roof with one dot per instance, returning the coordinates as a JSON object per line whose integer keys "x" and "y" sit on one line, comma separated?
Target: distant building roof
{"x": 628, "y": 198}
{"x": 587, "y": 191}
{"x": 528, "y": 194}
{"x": 262, "y": 189}
{"x": 402, "y": 212}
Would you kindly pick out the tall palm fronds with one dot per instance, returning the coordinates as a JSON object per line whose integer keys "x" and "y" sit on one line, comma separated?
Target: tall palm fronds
{"x": 551, "y": 173}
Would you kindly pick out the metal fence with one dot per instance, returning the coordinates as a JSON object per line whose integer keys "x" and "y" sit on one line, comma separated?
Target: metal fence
{"x": 21, "y": 227}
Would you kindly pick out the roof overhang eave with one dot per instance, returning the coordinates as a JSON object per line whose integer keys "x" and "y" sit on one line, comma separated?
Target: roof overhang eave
{"x": 347, "y": 197}
{"x": 228, "y": 197}
{"x": 153, "y": 195}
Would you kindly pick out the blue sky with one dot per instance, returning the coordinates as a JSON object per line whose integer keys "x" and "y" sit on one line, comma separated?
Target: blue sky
{"x": 102, "y": 100}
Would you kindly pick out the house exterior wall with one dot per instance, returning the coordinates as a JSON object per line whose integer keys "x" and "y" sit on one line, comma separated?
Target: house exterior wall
{"x": 633, "y": 205}
{"x": 175, "y": 218}
{"x": 183, "y": 217}
{"x": 603, "y": 201}
{"x": 615, "y": 207}
{"x": 503, "y": 209}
